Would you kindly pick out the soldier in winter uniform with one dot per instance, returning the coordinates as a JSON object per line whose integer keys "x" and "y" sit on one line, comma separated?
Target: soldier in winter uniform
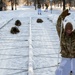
{"x": 39, "y": 9}
{"x": 67, "y": 43}
{"x": 46, "y": 9}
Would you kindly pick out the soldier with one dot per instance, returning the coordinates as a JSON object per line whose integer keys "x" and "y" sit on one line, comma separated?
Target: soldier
{"x": 46, "y": 9}
{"x": 67, "y": 44}
{"x": 39, "y": 9}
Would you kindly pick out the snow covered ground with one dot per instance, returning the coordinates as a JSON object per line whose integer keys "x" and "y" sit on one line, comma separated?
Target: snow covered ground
{"x": 14, "y": 49}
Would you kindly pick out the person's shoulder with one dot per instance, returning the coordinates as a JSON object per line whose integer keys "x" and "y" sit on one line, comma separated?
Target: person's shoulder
{"x": 73, "y": 31}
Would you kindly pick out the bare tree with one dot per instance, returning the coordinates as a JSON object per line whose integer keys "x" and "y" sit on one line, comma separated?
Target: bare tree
{"x": 63, "y": 4}
{"x": 1, "y": 5}
{"x": 12, "y": 4}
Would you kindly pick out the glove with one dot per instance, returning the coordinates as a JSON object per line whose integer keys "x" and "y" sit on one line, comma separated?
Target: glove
{"x": 65, "y": 13}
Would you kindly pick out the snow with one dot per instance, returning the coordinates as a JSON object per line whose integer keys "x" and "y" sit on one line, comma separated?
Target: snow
{"x": 14, "y": 49}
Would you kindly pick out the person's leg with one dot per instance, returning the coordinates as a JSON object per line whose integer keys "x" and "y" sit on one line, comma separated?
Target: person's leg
{"x": 73, "y": 65}
{"x": 40, "y": 11}
{"x": 47, "y": 10}
{"x": 64, "y": 67}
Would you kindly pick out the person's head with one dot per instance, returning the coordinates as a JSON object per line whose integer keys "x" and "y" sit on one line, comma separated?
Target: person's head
{"x": 38, "y": 2}
{"x": 68, "y": 28}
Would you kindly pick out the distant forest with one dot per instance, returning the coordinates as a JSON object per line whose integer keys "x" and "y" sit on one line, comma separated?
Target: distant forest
{"x": 59, "y": 3}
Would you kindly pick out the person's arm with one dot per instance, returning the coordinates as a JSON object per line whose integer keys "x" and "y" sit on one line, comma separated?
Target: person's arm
{"x": 59, "y": 25}
{"x": 59, "y": 21}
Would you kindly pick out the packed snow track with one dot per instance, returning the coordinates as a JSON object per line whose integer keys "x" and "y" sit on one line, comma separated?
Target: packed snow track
{"x": 33, "y": 51}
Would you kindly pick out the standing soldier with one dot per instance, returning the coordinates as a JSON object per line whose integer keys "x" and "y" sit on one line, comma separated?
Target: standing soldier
{"x": 39, "y": 9}
{"x": 67, "y": 44}
{"x": 46, "y": 9}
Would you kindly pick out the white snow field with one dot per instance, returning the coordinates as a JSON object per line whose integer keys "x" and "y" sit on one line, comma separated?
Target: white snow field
{"x": 33, "y": 51}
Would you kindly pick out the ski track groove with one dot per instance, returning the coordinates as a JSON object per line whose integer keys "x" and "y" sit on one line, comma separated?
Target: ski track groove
{"x": 15, "y": 57}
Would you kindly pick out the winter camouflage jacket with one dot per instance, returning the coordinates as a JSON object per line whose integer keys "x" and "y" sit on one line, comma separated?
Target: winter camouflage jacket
{"x": 67, "y": 43}
{"x": 39, "y": 6}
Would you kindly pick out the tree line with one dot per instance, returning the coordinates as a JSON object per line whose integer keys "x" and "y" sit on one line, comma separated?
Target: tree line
{"x": 61, "y": 3}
